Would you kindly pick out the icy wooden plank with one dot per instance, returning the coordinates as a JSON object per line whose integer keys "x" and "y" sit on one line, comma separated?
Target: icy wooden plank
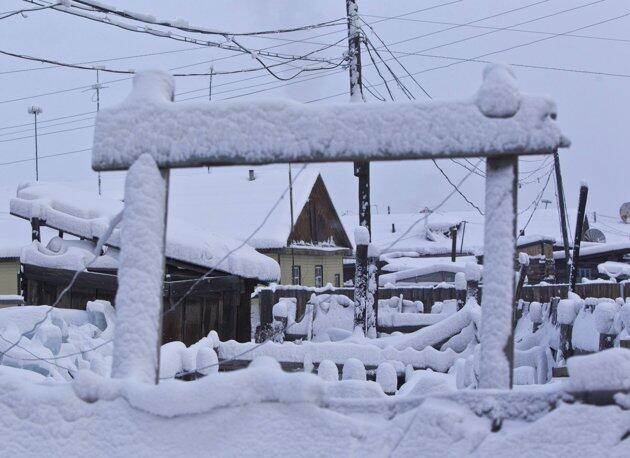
{"x": 498, "y": 264}
{"x": 140, "y": 275}
{"x": 497, "y": 120}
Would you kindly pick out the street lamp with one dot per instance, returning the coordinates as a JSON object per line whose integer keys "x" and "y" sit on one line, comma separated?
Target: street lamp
{"x": 35, "y": 111}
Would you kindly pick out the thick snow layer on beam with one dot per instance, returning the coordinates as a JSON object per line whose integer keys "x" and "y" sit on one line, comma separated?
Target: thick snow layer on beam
{"x": 497, "y": 120}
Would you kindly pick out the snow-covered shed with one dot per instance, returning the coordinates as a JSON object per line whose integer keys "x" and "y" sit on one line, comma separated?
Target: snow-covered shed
{"x": 221, "y": 301}
{"x": 235, "y": 201}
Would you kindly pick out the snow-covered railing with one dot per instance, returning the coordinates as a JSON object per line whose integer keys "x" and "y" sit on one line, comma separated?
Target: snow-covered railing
{"x": 151, "y": 132}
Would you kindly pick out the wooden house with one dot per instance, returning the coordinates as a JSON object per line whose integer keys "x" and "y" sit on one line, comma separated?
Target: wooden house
{"x": 219, "y": 302}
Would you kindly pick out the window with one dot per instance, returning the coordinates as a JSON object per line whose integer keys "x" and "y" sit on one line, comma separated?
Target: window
{"x": 296, "y": 275}
{"x": 337, "y": 280}
{"x": 319, "y": 276}
{"x": 583, "y": 272}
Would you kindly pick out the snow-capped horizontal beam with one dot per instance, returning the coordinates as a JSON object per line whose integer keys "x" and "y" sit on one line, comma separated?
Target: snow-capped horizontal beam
{"x": 497, "y": 121}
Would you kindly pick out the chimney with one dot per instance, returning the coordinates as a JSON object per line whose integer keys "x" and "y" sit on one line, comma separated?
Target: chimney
{"x": 393, "y": 228}
{"x": 252, "y": 175}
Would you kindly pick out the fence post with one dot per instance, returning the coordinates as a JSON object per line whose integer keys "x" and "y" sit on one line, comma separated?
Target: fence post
{"x": 280, "y": 320}
{"x": 362, "y": 240}
{"x": 137, "y": 336}
{"x": 604, "y": 315}
{"x": 496, "y": 357}
{"x": 566, "y": 316}
{"x": 460, "y": 289}
{"x": 473, "y": 275}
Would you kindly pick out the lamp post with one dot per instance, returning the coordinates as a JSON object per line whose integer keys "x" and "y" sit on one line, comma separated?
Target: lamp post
{"x": 35, "y": 111}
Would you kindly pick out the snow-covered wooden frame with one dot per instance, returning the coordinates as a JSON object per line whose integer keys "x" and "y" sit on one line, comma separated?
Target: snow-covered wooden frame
{"x": 497, "y": 121}
{"x": 149, "y": 131}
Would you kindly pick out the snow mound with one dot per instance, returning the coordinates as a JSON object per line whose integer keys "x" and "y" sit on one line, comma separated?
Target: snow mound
{"x": 606, "y": 370}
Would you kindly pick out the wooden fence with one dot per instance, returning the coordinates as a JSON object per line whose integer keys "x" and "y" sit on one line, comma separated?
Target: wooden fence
{"x": 429, "y": 295}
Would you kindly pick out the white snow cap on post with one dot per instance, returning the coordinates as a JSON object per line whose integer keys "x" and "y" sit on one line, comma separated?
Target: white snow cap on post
{"x": 460, "y": 281}
{"x": 567, "y": 311}
{"x": 152, "y": 86}
{"x": 361, "y": 235}
{"x": 498, "y": 96}
{"x": 141, "y": 274}
{"x": 604, "y": 315}
{"x": 353, "y": 369}
{"x": 473, "y": 271}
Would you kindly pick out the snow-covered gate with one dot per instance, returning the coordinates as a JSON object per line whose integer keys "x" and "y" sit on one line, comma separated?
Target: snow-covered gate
{"x": 149, "y": 134}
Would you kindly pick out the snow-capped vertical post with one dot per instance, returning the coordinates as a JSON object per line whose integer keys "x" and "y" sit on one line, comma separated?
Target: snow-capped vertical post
{"x": 138, "y": 332}
{"x": 362, "y": 241}
{"x": 498, "y": 97}
{"x": 137, "y": 336}
{"x": 579, "y": 226}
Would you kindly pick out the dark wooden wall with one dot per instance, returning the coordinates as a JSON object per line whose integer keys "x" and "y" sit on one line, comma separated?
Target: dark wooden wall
{"x": 318, "y": 221}
{"x": 219, "y": 303}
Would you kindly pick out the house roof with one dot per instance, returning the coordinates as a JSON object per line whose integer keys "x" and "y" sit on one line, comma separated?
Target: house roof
{"x": 86, "y": 215}
{"x": 226, "y": 202}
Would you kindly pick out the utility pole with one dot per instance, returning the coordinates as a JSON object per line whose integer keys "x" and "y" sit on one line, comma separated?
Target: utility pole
{"x": 366, "y": 282}
{"x": 563, "y": 212}
{"x": 579, "y": 225}
{"x": 361, "y": 168}
{"x": 97, "y": 88}
{"x": 35, "y": 111}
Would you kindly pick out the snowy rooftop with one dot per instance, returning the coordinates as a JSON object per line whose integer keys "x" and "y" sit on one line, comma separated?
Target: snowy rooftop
{"x": 88, "y": 216}
{"x": 429, "y": 237}
{"x": 226, "y": 202}
{"x": 497, "y": 120}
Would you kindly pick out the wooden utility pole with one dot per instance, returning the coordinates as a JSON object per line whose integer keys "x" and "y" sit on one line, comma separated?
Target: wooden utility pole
{"x": 361, "y": 168}
{"x": 579, "y": 225}
{"x": 563, "y": 213}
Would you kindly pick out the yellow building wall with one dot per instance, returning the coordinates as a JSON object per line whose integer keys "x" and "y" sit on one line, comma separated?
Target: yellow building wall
{"x": 8, "y": 276}
{"x": 331, "y": 262}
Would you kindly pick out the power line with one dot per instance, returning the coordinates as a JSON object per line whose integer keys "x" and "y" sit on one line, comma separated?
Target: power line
{"x": 26, "y": 10}
{"x": 47, "y": 156}
{"x": 456, "y": 187}
{"x": 47, "y": 133}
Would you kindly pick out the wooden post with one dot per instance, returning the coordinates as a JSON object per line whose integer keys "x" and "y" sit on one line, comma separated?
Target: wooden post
{"x": 606, "y": 341}
{"x": 460, "y": 289}
{"x": 141, "y": 273}
{"x": 361, "y": 279}
{"x": 36, "y": 230}
{"x": 497, "y": 339}
{"x": 453, "y": 243}
{"x": 578, "y": 237}
{"x": 563, "y": 215}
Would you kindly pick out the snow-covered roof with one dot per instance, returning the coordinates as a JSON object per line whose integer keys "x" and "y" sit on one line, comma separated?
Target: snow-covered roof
{"x": 88, "y": 216}
{"x": 543, "y": 226}
{"x": 68, "y": 254}
{"x": 432, "y": 266}
{"x": 497, "y": 120}
{"x": 226, "y": 202}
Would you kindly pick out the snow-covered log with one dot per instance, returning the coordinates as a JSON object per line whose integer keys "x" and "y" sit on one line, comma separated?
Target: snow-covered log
{"x": 141, "y": 273}
{"x": 498, "y": 289}
{"x": 499, "y": 120}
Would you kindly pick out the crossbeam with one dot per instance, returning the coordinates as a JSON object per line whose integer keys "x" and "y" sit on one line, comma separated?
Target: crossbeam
{"x": 497, "y": 121}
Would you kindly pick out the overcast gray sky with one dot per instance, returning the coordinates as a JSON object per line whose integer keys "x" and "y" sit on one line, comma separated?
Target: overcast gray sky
{"x": 588, "y": 74}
